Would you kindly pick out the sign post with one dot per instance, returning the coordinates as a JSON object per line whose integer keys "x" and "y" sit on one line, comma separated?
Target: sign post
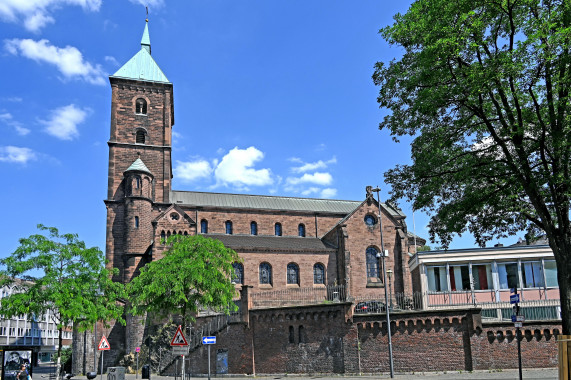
{"x": 208, "y": 340}
{"x": 517, "y": 319}
{"x": 103, "y": 346}
{"x": 137, "y": 349}
{"x": 180, "y": 345}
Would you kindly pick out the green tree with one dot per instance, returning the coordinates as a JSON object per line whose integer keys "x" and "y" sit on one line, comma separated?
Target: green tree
{"x": 483, "y": 89}
{"x": 194, "y": 273}
{"x": 72, "y": 284}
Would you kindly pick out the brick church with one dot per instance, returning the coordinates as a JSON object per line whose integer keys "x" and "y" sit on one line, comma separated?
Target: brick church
{"x": 284, "y": 242}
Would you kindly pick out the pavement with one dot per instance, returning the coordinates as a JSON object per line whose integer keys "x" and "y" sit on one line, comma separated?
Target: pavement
{"x": 550, "y": 374}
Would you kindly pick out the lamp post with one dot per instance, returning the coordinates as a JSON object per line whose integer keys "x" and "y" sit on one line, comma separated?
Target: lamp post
{"x": 382, "y": 255}
{"x": 390, "y": 274}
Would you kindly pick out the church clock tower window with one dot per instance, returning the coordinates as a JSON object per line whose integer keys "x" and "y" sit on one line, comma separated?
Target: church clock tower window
{"x": 141, "y": 106}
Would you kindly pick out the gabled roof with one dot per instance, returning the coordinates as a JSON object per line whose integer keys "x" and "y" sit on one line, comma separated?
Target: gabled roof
{"x": 262, "y": 202}
{"x": 138, "y": 165}
{"x": 142, "y": 66}
{"x": 249, "y": 243}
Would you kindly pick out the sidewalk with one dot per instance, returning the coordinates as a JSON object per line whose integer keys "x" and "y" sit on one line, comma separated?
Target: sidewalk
{"x": 529, "y": 374}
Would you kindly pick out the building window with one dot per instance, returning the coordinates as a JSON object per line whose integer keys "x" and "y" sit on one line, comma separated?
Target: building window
{"x": 319, "y": 274}
{"x": 253, "y": 228}
{"x": 137, "y": 182}
{"x": 238, "y": 274}
{"x": 301, "y": 230}
{"x": 163, "y": 237}
{"x": 508, "y": 274}
{"x": 141, "y": 106}
{"x": 140, "y": 137}
{"x": 460, "y": 278}
{"x": 532, "y": 275}
{"x": 370, "y": 220}
{"x": 373, "y": 264}
{"x": 291, "y": 334}
{"x": 292, "y": 274}
{"x": 265, "y": 273}
{"x": 228, "y": 227}
{"x": 301, "y": 335}
{"x": 136, "y": 222}
{"x": 550, "y": 269}
{"x": 482, "y": 276}
{"x": 278, "y": 229}
{"x": 437, "y": 281}
{"x": 204, "y": 226}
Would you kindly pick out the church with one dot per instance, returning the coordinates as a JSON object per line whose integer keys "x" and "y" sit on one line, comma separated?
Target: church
{"x": 284, "y": 242}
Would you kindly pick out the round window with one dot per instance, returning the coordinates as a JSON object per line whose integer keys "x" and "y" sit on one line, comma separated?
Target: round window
{"x": 174, "y": 216}
{"x": 370, "y": 220}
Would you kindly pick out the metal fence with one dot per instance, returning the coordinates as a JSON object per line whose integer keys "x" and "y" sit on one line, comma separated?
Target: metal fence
{"x": 398, "y": 302}
{"x": 299, "y": 297}
{"x": 532, "y": 310}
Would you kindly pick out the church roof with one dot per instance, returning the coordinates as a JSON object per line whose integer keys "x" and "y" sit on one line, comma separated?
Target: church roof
{"x": 142, "y": 66}
{"x": 138, "y": 165}
{"x": 250, "y": 243}
{"x": 262, "y": 202}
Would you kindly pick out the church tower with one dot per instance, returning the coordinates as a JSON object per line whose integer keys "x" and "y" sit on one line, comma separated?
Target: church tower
{"x": 140, "y": 169}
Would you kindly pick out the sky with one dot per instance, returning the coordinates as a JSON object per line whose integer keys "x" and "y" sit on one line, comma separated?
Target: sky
{"x": 271, "y": 97}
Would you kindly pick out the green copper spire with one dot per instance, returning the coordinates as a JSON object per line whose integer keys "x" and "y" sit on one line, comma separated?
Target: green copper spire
{"x": 142, "y": 66}
{"x": 146, "y": 40}
{"x": 138, "y": 165}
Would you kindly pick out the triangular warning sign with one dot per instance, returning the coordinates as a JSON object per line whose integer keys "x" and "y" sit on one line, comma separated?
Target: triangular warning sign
{"x": 104, "y": 344}
{"x": 179, "y": 339}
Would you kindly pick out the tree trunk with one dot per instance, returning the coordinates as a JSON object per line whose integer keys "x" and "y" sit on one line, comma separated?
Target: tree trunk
{"x": 58, "y": 366}
{"x": 560, "y": 243}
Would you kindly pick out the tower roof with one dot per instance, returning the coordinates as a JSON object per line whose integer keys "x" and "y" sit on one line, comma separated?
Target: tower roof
{"x": 142, "y": 66}
{"x": 138, "y": 165}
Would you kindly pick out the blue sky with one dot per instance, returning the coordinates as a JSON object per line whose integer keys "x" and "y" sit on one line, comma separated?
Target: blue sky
{"x": 271, "y": 97}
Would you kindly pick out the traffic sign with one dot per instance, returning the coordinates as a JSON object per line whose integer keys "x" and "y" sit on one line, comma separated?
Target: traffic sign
{"x": 180, "y": 350}
{"x": 208, "y": 340}
{"x": 518, "y": 325}
{"x": 179, "y": 339}
{"x": 104, "y": 344}
{"x": 514, "y": 298}
{"x": 518, "y": 318}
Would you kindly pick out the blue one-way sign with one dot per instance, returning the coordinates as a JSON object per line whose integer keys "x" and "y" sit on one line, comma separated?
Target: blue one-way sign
{"x": 208, "y": 340}
{"x": 514, "y": 298}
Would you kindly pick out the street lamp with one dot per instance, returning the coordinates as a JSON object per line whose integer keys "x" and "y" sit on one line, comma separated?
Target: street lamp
{"x": 390, "y": 274}
{"x": 382, "y": 255}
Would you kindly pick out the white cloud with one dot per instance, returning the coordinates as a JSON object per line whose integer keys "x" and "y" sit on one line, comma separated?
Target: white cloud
{"x": 236, "y": 169}
{"x": 15, "y": 99}
{"x": 190, "y": 171}
{"x": 8, "y": 119}
{"x": 16, "y": 154}
{"x": 315, "y": 178}
{"x": 36, "y": 14}
{"x": 311, "y": 190}
{"x": 64, "y": 121}
{"x": 311, "y": 166}
{"x": 149, "y": 3}
{"x": 68, "y": 60}
{"x": 112, "y": 60}
{"x": 328, "y": 193}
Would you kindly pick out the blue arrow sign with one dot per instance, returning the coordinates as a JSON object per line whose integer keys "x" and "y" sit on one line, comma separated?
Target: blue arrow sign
{"x": 514, "y": 298}
{"x": 208, "y": 340}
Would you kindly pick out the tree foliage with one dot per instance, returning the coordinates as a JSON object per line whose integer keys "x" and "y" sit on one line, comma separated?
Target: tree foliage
{"x": 483, "y": 88}
{"x": 60, "y": 275}
{"x": 195, "y": 273}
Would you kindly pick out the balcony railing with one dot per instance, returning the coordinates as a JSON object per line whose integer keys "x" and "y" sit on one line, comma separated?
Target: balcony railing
{"x": 299, "y": 297}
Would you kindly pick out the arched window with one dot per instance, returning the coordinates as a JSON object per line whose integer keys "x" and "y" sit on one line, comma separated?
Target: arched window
{"x": 278, "y": 229}
{"x": 265, "y": 273}
{"x": 238, "y": 275}
{"x": 301, "y": 230}
{"x": 141, "y": 106}
{"x": 204, "y": 226}
{"x": 228, "y": 227}
{"x": 163, "y": 237}
{"x": 319, "y": 274}
{"x": 137, "y": 182}
{"x": 293, "y": 274}
{"x": 291, "y": 334}
{"x": 253, "y": 228}
{"x": 373, "y": 264}
{"x": 140, "y": 137}
{"x": 301, "y": 334}
{"x": 185, "y": 233}
{"x": 136, "y": 222}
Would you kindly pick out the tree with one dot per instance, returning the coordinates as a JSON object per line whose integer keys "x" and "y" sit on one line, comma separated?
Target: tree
{"x": 73, "y": 284}
{"x": 195, "y": 272}
{"x": 483, "y": 89}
